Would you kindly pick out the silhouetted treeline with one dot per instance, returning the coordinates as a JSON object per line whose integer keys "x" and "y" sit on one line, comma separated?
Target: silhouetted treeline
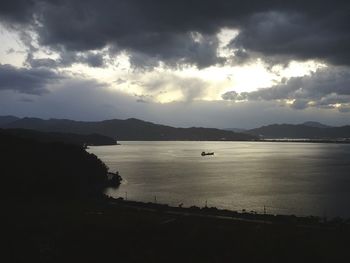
{"x": 32, "y": 169}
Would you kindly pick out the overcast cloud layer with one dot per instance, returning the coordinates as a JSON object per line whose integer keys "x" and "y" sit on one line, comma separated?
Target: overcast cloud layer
{"x": 177, "y": 34}
{"x": 162, "y": 29}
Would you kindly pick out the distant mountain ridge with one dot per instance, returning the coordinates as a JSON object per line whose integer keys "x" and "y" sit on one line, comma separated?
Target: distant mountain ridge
{"x": 315, "y": 124}
{"x": 236, "y": 130}
{"x": 130, "y": 129}
{"x": 309, "y": 130}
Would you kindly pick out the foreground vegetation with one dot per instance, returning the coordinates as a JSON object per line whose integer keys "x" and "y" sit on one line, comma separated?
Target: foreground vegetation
{"x": 98, "y": 231}
{"x": 32, "y": 169}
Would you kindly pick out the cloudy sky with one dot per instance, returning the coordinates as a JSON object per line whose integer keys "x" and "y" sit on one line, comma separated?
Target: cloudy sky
{"x": 184, "y": 63}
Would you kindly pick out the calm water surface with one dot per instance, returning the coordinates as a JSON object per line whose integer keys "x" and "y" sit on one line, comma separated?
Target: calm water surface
{"x": 288, "y": 178}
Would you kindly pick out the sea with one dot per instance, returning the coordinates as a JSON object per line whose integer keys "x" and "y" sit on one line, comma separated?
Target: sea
{"x": 289, "y": 178}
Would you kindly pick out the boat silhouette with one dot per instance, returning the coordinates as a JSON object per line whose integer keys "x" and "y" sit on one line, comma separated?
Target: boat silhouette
{"x": 208, "y": 153}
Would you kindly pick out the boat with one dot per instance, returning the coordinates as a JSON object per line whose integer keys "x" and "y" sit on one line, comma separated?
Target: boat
{"x": 209, "y": 153}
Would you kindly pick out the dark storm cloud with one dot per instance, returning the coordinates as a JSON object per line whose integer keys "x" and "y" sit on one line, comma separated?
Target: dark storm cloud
{"x": 161, "y": 30}
{"x": 184, "y": 48}
{"x": 151, "y": 31}
{"x": 298, "y": 35}
{"x": 23, "y": 80}
{"x": 89, "y": 58}
{"x": 93, "y": 60}
{"x": 41, "y": 62}
{"x": 17, "y": 10}
{"x": 67, "y": 59}
{"x": 233, "y": 95}
{"x": 323, "y": 88}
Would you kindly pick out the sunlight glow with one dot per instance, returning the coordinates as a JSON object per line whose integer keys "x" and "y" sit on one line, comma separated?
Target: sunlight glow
{"x": 297, "y": 69}
{"x": 118, "y": 73}
{"x": 12, "y": 51}
{"x": 225, "y": 36}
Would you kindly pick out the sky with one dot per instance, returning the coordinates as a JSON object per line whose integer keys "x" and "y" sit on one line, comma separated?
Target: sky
{"x": 224, "y": 64}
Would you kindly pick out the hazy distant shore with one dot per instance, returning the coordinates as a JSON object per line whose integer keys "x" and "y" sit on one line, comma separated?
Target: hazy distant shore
{"x": 255, "y": 140}
{"x": 305, "y": 140}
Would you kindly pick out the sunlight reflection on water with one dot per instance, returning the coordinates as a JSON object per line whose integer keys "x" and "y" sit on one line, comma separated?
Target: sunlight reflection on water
{"x": 288, "y": 178}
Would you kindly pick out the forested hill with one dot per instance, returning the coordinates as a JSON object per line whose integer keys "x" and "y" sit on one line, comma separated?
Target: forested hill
{"x": 130, "y": 129}
{"x": 70, "y": 138}
{"x": 52, "y": 170}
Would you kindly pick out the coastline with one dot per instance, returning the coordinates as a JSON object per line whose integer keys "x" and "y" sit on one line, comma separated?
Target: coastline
{"x": 291, "y": 140}
{"x": 225, "y": 214}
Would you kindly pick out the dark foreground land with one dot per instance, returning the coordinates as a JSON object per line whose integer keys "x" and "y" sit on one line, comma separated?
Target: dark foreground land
{"x": 53, "y": 210}
{"x": 104, "y": 231}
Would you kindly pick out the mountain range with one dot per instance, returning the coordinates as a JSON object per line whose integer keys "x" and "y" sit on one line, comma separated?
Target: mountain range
{"x": 307, "y": 130}
{"x": 137, "y": 130}
{"x": 130, "y": 129}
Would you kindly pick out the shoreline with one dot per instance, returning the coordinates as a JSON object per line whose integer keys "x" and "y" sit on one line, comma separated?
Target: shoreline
{"x": 328, "y": 141}
{"x": 225, "y": 214}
